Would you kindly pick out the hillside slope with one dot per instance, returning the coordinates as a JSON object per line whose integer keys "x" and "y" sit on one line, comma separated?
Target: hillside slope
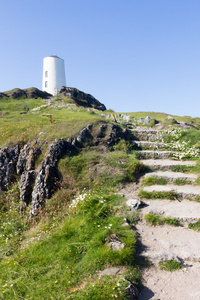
{"x": 66, "y": 233}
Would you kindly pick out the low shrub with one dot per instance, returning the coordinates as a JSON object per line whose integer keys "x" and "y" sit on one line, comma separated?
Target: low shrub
{"x": 195, "y": 226}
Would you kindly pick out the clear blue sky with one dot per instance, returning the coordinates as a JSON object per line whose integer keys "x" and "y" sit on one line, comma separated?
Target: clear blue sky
{"x": 132, "y": 55}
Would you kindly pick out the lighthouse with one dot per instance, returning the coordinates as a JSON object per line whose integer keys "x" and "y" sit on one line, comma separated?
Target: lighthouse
{"x": 53, "y": 74}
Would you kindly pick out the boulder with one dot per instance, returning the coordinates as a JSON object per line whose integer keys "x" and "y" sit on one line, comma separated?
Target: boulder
{"x": 115, "y": 243}
{"x": 147, "y": 120}
{"x": 133, "y": 204}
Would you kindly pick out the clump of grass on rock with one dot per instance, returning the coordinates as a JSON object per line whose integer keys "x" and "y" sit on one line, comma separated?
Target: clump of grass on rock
{"x": 170, "y": 265}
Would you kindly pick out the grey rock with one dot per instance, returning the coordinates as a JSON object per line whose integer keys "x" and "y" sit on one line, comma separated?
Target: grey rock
{"x": 84, "y": 136}
{"x": 26, "y": 188}
{"x": 47, "y": 175}
{"x": 26, "y": 93}
{"x": 133, "y": 204}
{"x": 8, "y": 162}
{"x": 82, "y": 98}
{"x": 117, "y": 246}
{"x": 114, "y": 135}
{"x": 115, "y": 243}
{"x": 141, "y": 120}
{"x": 132, "y": 291}
{"x": 101, "y": 131}
{"x": 27, "y": 157}
{"x": 170, "y": 118}
{"x": 147, "y": 120}
{"x": 110, "y": 271}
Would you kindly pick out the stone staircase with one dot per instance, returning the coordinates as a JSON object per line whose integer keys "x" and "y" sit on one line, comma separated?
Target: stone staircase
{"x": 164, "y": 242}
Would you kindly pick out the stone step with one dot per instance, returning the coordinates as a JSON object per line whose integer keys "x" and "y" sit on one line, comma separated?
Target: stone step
{"x": 154, "y": 154}
{"x": 147, "y": 137}
{"x": 143, "y": 130}
{"x": 161, "y": 164}
{"x": 166, "y": 243}
{"x": 185, "y": 191}
{"x": 150, "y": 145}
{"x": 172, "y": 176}
{"x": 185, "y": 210}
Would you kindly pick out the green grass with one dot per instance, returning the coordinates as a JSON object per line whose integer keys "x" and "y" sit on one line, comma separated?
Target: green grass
{"x": 151, "y": 180}
{"x": 154, "y": 220}
{"x": 183, "y": 169}
{"x": 91, "y": 168}
{"x": 191, "y": 135}
{"x": 59, "y": 253}
{"x": 68, "y": 253}
{"x": 17, "y": 127}
{"x": 170, "y": 265}
{"x": 159, "y": 195}
{"x": 181, "y": 182}
{"x": 195, "y": 226}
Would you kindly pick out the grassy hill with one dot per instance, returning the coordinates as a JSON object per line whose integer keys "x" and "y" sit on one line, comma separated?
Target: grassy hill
{"x": 59, "y": 253}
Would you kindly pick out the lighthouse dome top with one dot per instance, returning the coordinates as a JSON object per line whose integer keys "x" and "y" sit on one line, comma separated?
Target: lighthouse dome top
{"x": 54, "y": 56}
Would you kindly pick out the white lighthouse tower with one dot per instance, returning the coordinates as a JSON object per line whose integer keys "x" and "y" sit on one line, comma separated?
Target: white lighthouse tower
{"x": 53, "y": 74}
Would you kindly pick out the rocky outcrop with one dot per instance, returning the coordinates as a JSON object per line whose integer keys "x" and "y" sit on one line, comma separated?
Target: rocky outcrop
{"x": 37, "y": 186}
{"x": 26, "y": 188}
{"x": 25, "y": 93}
{"x": 84, "y": 136}
{"x": 82, "y": 98}
{"x": 101, "y": 131}
{"x": 117, "y": 133}
{"x": 47, "y": 174}
{"x": 8, "y": 162}
{"x": 27, "y": 157}
{"x": 114, "y": 136}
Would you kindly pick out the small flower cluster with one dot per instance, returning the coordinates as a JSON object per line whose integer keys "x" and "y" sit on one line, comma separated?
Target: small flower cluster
{"x": 174, "y": 133}
{"x": 183, "y": 149}
{"x": 81, "y": 198}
